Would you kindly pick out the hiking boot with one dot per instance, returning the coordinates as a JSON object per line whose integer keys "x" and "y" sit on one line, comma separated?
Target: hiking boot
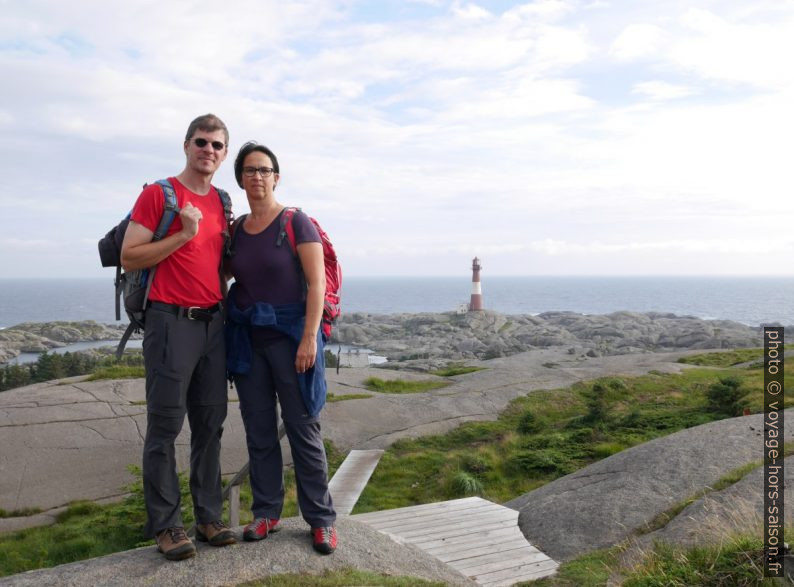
{"x": 260, "y": 528}
{"x": 215, "y": 533}
{"x": 325, "y": 539}
{"x": 174, "y": 544}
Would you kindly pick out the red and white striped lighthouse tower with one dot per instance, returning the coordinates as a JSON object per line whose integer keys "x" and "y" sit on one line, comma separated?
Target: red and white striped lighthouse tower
{"x": 476, "y": 292}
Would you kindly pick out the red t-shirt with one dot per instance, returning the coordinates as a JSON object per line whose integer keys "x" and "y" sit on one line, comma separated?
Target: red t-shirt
{"x": 188, "y": 276}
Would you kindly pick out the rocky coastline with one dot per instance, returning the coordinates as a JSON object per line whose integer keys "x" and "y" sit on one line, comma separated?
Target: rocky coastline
{"x": 429, "y": 340}
{"x": 39, "y": 337}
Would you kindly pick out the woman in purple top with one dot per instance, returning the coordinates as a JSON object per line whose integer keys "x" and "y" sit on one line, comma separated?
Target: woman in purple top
{"x": 268, "y": 280}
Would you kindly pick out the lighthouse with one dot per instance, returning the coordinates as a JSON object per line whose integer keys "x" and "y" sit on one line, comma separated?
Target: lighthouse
{"x": 476, "y": 292}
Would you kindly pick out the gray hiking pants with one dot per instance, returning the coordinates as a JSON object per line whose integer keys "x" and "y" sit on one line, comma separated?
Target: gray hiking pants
{"x": 185, "y": 374}
{"x": 273, "y": 374}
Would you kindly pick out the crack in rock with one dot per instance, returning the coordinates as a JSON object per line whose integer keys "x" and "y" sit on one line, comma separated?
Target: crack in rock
{"x": 49, "y": 422}
{"x": 423, "y": 424}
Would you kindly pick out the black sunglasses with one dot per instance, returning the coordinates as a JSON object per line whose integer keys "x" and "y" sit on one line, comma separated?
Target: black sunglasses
{"x": 201, "y": 143}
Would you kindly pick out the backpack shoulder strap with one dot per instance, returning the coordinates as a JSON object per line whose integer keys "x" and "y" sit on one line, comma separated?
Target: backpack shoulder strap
{"x": 287, "y": 230}
{"x": 234, "y": 228}
{"x": 170, "y": 209}
{"x": 227, "y": 204}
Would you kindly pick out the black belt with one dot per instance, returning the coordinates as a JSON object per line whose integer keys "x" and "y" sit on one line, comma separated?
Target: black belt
{"x": 189, "y": 312}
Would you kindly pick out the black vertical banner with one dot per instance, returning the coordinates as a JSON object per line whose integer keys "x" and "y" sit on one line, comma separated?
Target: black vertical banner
{"x": 773, "y": 451}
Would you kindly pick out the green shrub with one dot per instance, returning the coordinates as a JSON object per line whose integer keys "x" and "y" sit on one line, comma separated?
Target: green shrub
{"x": 727, "y": 396}
{"x": 538, "y": 462}
{"x": 596, "y": 402}
{"x": 529, "y": 423}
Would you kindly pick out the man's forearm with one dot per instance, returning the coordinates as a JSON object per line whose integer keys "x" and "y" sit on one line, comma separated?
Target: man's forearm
{"x": 151, "y": 253}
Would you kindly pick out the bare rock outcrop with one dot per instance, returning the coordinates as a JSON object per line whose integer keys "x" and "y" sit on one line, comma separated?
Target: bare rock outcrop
{"x": 606, "y": 502}
{"x": 487, "y": 335}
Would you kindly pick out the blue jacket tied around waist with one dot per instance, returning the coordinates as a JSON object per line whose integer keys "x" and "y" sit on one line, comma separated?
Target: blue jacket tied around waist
{"x": 288, "y": 319}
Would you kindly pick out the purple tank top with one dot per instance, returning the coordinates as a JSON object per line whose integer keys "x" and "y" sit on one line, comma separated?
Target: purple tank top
{"x": 265, "y": 272}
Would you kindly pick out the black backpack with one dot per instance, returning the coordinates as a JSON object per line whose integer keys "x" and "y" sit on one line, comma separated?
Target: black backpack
{"x": 134, "y": 286}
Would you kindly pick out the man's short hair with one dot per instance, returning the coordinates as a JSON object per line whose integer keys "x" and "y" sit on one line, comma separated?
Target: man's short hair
{"x": 246, "y": 150}
{"x": 207, "y": 123}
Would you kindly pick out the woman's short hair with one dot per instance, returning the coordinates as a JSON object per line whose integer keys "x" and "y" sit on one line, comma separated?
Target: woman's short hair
{"x": 246, "y": 150}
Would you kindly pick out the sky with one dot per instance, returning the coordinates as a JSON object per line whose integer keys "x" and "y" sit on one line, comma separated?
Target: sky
{"x": 554, "y": 137}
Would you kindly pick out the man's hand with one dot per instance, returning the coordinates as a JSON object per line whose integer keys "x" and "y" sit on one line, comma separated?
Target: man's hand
{"x": 190, "y": 217}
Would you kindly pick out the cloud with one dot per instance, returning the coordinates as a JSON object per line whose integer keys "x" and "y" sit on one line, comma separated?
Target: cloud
{"x": 638, "y": 41}
{"x": 537, "y": 131}
{"x": 659, "y": 90}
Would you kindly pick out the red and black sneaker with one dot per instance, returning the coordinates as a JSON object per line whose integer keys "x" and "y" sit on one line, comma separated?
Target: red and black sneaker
{"x": 260, "y": 528}
{"x": 325, "y": 539}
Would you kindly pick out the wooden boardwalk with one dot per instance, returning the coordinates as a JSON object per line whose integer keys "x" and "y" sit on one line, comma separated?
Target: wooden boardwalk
{"x": 476, "y": 537}
{"x": 351, "y": 477}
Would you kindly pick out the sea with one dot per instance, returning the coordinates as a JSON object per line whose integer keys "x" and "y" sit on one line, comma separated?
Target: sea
{"x": 749, "y": 300}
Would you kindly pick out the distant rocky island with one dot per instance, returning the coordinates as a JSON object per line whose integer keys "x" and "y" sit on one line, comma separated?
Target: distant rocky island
{"x": 428, "y": 339}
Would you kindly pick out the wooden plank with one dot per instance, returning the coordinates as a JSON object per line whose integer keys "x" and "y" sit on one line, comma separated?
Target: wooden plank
{"x": 459, "y": 530}
{"x": 430, "y": 515}
{"x": 515, "y": 574}
{"x": 351, "y": 478}
{"x": 479, "y": 537}
{"x": 435, "y": 521}
{"x": 457, "y": 527}
{"x": 451, "y": 556}
{"x": 417, "y": 509}
{"x": 411, "y": 517}
{"x": 488, "y": 563}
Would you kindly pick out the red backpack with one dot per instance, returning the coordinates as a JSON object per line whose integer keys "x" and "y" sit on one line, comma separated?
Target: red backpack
{"x": 333, "y": 270}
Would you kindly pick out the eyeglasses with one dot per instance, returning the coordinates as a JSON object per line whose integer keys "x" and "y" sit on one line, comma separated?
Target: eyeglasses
{"x": 252, "y": 171}
{"x": 201, "y": 143}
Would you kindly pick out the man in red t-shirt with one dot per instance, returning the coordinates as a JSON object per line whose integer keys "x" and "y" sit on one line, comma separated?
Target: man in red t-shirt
{"x": 183, "y": 345}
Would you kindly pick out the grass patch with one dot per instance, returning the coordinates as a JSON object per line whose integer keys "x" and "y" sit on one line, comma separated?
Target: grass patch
{"x": 340, "y": 577}
{"x": 401, "y": 385}
{"x": 19, "y": 513}
{"x": 727, "y": 358}
{"x": 737, "y": 561}
{"x": 548, "y": 434}
{"x": 332, "y": 397}
{"x": 117, "y": 372}
{"x": 452, "y": 370}
{"x": 589, "y": 570}
{"x": 84, "y": 530}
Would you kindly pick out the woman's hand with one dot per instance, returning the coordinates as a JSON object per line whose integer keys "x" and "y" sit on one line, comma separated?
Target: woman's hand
{"x": 307, "y": 354}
